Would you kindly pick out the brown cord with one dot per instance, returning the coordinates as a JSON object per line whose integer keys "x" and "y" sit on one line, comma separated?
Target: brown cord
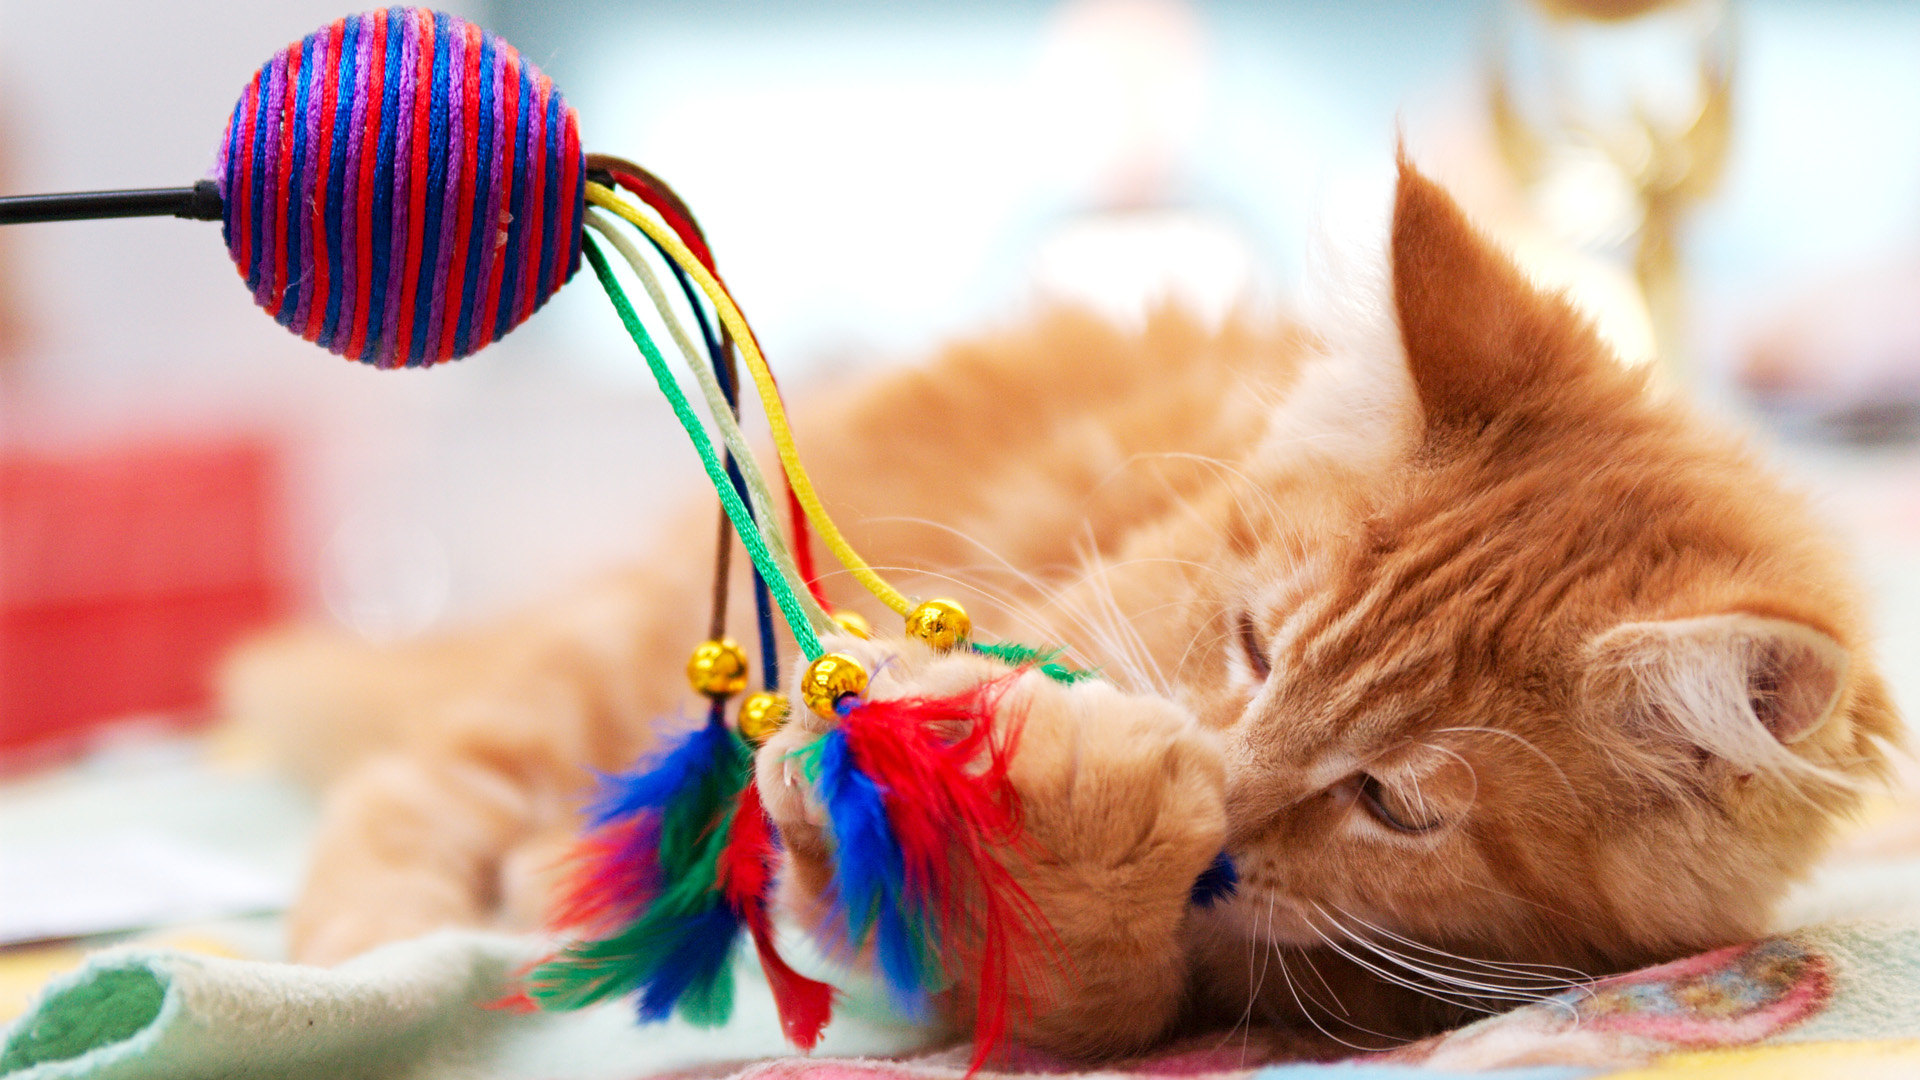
{"x": 611, "y": 164}
{"x": 723, "y": 544}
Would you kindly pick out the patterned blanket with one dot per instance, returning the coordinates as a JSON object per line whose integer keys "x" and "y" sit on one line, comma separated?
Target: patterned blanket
{"x": 1840, "y": 999}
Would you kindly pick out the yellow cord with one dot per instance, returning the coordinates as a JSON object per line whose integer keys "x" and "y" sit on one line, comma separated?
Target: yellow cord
{"x": 729, "y": 313}
{"x": 758, "y": 495}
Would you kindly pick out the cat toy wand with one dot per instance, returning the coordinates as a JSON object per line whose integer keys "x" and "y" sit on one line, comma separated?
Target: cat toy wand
{"x": 403, "y": 188}
{"x": 201, "y": 202}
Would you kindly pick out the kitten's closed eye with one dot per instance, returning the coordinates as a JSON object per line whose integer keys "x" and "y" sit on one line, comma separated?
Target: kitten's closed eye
{"x": 1253, "y": 647}
{"x": 1398, "y": 810}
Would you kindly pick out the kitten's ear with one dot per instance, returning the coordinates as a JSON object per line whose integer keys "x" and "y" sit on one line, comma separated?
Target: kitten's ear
{"x": 1478, "y": 335}
{"x": 1738, "y": 686}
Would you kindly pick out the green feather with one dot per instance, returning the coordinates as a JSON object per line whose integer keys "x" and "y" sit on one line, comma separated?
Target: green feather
{"x": 1014, "y": 654}
{"x": 693, "y": 834}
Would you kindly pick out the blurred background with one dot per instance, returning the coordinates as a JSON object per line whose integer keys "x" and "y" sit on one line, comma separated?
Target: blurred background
{"x": 1733, "y": 188}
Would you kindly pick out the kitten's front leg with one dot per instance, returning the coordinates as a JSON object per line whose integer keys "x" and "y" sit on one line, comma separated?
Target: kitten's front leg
{"x": 1123, "y": 798}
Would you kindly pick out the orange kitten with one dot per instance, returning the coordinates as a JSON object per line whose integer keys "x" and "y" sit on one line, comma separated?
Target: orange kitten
{"x": 1488, "y": 667}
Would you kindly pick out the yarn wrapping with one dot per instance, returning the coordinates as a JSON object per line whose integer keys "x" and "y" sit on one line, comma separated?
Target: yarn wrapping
{"x": 402, "y": 187}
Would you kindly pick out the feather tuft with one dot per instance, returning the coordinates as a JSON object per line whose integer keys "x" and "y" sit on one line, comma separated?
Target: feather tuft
{"x": 662, "y": 830}
{"x": 869, "y": 874}
{"x": 612, "y": 873}
{"x": 923, "y": 812}
{"x": 1216, "y": 883}
{"x": 1014, "y": 654}
{"x": 746, "y": 877}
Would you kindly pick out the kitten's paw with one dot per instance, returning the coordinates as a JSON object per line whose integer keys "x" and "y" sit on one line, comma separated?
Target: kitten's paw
{"x": 1123, "y": 794}
{"x": 338, "y": 920}
{"x": 895, "y": 669}
{"x": 1123, "y": 799}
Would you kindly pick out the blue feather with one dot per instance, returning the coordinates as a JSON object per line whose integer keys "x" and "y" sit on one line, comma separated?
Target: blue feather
{"x": 654, "y": 783}
{"x": 693, "y": 974}
{"x": 870, "y": 872}
{"x": 675, "y": 954}
{"x": 868, "y": 868}
{"x": 902, "y": 955}
{"x": 1217, "y": 882}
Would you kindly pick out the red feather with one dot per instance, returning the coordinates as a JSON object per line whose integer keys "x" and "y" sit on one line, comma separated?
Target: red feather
{"x": 516, "y": 1001}
{"x": 611, "y": 874}
{"x": 746, "y": 865}
{"x": 942, "y": 767}
{"x": 746, "y": 877}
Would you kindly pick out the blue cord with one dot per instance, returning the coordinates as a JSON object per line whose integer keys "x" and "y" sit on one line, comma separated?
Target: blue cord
{"x": 717, "y": 354}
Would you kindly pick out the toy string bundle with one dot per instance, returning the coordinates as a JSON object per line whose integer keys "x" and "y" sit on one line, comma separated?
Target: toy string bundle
{"x": 404, "y": 188}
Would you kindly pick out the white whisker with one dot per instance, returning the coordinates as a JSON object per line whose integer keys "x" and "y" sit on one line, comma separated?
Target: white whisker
{"x": 1197, "y": 641}
{"x": 1129, "y": 633}
{"x": 1460, "y": 1001}
{"x": 1574, "y": 978}
{"x": 1524, "y": 742}
{"x": 1450, "y": 977}
{"x": 1287, "y": 977}
{"x": 1480, "y": 992}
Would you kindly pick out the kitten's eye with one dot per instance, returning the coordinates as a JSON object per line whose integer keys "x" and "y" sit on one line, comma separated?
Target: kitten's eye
{"x": 1250, "y": 645}
{"x": 1394, "y": 810}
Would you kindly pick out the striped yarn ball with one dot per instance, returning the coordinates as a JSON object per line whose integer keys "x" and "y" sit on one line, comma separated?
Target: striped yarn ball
{"x": 402, "y": 187}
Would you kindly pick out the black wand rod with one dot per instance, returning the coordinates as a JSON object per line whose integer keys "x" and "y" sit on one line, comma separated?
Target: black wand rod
{"x": 201, "y": 202}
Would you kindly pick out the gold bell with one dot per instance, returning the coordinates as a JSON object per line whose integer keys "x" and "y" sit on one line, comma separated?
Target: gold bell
{"x": 718, "y": 669}
{"x": 854, "y": 623}
{"x": 829, "y": 679}
{"x": 761, "y": 714}
{"x": 942, "y": 624}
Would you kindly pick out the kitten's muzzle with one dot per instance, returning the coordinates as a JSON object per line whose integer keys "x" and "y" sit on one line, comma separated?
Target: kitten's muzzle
{"x": 1269, "y": 917}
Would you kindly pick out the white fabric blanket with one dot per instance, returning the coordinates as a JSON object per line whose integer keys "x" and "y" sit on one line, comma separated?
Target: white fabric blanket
{"x": 409, "y": 1011}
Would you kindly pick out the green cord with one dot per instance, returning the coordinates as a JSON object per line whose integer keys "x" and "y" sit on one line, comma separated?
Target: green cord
{"x": 723, "y": 418}
{"x": 750, "y": 537}
{"x": 768, "y": 554}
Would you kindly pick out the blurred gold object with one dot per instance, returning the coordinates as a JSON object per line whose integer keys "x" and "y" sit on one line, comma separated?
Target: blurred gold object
{"x": 829, "y": 679}
{"x": 1603, "y": 10}
{"x": 718, "y": 668}
{"x": 942, "y": 624}
{"x": 854, "y": 623}
{"x": 761, "y": 714}
{"x": 1616, "y": 116}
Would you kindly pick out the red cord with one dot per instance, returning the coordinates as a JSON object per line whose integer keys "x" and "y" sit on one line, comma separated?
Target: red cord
{"x": 803, "y": 551}
{"x": 654, "y": 192}
{"x": 665, "y": 203}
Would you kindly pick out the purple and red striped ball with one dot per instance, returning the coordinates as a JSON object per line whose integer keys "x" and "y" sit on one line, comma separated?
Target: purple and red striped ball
{"x": 402, "y": 187}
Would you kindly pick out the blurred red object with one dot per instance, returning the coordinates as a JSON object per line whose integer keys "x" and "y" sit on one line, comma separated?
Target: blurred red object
{"x": 124, "y": 573}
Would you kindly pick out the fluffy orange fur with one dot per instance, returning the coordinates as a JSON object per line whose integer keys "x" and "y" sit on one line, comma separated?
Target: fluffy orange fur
{"x": 1491, "y": 668}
